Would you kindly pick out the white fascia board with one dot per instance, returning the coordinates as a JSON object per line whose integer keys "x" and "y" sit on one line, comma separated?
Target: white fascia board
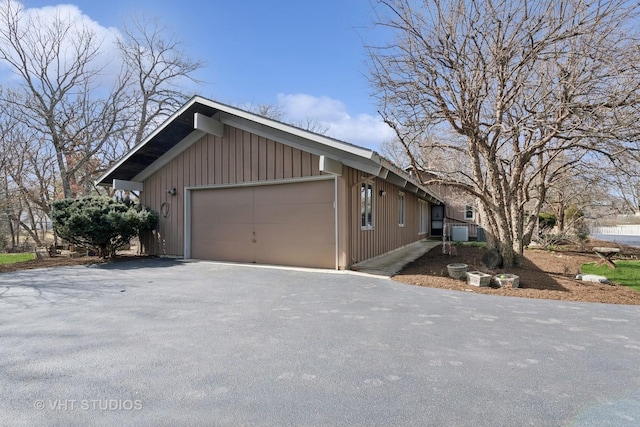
{"x": 186, "y": 142}
{"x": 121, "y": 184}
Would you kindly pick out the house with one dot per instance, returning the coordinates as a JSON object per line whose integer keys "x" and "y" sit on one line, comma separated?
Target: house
{"x": 457, "y": 212}
{"x": 231, "y": 185}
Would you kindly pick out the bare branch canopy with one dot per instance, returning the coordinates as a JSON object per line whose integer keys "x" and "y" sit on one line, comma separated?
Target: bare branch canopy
{"x": 501, "y": 97}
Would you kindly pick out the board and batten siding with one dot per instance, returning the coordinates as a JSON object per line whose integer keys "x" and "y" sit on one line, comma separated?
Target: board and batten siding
{"x": 386, "y": 234}
{"x": 237, "y": 157}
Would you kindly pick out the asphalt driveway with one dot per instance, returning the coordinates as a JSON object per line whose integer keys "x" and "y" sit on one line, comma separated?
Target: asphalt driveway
{"x": 159, "y": 342}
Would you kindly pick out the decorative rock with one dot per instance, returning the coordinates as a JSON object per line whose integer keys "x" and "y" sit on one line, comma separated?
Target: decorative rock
{"x": 592, "y": 278}
{"x": 492, "y": 259}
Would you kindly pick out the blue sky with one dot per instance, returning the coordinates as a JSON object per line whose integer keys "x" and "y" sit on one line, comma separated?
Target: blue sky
{"x": 307, "y": 56}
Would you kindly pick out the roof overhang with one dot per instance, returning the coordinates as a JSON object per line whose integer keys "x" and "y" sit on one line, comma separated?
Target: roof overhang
{"x": 200, "y": 116}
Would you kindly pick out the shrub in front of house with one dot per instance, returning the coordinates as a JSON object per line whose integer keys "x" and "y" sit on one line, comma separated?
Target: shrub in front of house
{"x": 101, "y": 223}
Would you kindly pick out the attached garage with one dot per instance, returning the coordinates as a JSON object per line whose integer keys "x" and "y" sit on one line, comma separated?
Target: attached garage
{"x": 286, "y": 224}
{"x": 230, "y": 185}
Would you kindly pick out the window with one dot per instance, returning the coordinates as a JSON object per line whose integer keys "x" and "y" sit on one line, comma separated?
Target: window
{"x": 366, "y": 205}
{"x": 401, "y": 209}
{"x": 468, "y": 212}
{"x": 423, "y": 217}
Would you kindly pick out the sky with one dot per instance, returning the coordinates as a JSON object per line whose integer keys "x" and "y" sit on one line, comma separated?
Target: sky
{"x": 308, "y": 57}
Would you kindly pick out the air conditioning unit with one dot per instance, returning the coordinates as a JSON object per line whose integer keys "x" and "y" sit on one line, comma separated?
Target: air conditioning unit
{"x": 459, "y": 233}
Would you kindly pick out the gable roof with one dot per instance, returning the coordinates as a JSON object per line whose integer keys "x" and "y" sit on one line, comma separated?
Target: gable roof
{"x": 178, "y": 132}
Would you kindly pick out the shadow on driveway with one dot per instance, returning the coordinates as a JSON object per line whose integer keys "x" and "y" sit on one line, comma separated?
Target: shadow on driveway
{"x": 199, "y": 343}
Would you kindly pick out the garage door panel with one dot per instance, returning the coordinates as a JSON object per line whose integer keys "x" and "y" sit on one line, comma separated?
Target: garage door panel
{"x": 232, "y": 214}
{"x": 228, "y": 206}
{"x": 231, "y": 250}
{"x": 296, "y": 193}
{"x": 309, "y": 214}
{"x": 222, "y": 224}
{"x": 297, "y": 254}
{"x": 226, "y": 242}
{"x": 288, "y": 234}
{"x": 286, "y": 224}
{"x": 223, "y": 197}
{"x": 232, "y": 232}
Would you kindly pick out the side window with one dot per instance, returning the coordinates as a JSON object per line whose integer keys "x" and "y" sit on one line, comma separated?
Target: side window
{"x": 468, "y": 212}
{"x": 366, "y": 205}
{"x": 401, "y": 209}
{"x": 423, "y": 217}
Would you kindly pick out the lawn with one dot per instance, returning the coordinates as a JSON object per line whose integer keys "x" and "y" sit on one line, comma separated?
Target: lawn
{"x": 13, "y": 258}
{"x": 626, "y": 273}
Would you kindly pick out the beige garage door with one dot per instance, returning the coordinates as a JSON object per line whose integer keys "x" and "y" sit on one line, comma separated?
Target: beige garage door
{"x": 286, "y": 224}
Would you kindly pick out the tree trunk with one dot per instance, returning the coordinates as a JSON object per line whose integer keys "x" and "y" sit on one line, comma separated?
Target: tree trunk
{"x": 500, "y": 235}
{"x": 32, "y": 233}
{"x": 64, "y": 176}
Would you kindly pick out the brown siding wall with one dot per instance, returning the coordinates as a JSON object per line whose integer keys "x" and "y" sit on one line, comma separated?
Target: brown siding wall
{"x": 238, "y": 157}
{"x": 386, "y": 234}
{"x": 454, "y": 210}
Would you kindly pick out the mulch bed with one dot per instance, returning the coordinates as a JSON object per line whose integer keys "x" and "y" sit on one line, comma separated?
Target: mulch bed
{"x": 544, "y": 274}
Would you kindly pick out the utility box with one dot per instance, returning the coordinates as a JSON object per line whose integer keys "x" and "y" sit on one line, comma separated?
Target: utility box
{"x": 459, "y": 233}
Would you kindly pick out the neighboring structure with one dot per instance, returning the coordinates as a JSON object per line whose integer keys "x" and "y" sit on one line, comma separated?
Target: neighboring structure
{"x": 457, "y": 211}
{"x": 235, "y": 186}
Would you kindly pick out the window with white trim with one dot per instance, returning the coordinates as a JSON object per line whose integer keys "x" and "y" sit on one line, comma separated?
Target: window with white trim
{"x": 401, "y": 210}
{"x": 423, "y": 217}
{"x": 469, "y": 212}
{"x": 366, "y": 205}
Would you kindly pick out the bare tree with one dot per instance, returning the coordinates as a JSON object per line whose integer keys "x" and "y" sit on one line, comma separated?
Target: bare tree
{"x": 275, "y": 112}
{"x": 522, "y": 91}
{"x": 56, "y": 63}
{"x": 626, "y": 183}
{"x": 71, "y": 116}
{"x": 156, "y": 69}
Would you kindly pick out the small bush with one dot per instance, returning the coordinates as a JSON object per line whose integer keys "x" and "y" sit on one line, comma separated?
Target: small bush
{"x": 547, "y": 220}
{"x": 100, "y": 223}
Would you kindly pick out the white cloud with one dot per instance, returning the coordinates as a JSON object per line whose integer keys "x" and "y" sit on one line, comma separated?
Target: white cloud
{"x": 39, "y": 22}
{"x": 362, "y": 129}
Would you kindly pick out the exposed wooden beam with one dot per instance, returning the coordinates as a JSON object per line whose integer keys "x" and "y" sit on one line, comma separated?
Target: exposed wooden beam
{"x": 411, "y": 187}
{"x": 396, "y": 180}
{"x": 207, "y": 124}
{"x": 384, "y": 172}
{"x": 331, "y": 166}
{"x": 121, "y": 184}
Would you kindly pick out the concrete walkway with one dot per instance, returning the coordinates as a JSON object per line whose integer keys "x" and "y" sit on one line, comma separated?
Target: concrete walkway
{"x": 391, "y": 263}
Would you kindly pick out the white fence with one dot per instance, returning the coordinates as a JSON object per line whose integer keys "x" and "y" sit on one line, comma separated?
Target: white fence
{"x": 618, "y": 230}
